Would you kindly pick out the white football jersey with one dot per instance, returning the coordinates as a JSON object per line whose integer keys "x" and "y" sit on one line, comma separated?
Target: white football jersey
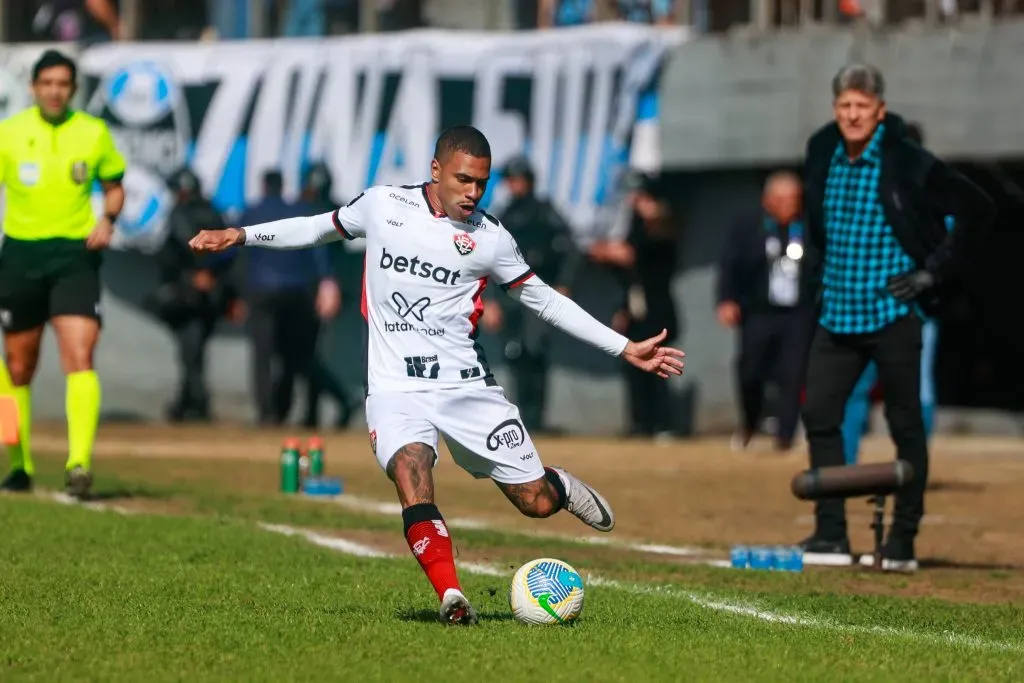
{"x": 423, "y": 280}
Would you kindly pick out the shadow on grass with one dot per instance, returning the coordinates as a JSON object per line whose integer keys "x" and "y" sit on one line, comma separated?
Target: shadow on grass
{"x": 943, "y": 563}
{"x": 955, "y": 486}
{"x": 430, "y": 616}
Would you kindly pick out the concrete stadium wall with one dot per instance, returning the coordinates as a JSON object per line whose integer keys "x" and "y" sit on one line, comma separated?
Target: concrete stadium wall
{"x": 742, "y": 99}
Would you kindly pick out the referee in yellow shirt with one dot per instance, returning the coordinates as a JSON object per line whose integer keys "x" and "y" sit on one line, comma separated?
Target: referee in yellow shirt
{"x": 50, "y": 158}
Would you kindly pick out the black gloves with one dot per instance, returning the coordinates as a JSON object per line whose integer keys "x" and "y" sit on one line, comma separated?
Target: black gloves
{"x": 909, "y": 286}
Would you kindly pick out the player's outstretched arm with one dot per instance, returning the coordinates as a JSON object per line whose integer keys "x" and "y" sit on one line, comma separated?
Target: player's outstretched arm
{"x": 290, "y": 233}
{"x": 562, "y": 312}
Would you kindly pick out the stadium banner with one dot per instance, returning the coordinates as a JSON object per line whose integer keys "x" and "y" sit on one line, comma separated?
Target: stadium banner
{"x": 370, "y": 107}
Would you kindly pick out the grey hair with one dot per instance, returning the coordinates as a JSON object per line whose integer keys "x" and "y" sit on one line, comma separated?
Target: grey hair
{"x": 861, "y": 77}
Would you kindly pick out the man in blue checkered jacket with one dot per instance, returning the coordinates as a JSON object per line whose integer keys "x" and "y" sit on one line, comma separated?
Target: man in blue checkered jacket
{"x": 876, "y": 204}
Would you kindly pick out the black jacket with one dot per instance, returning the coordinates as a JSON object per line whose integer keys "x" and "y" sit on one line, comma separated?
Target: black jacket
{"x": 176, "y": 300}
{"x": 544, "y": 238}
{"x": 743, "y": 267}
{"x": 917, "y": 191}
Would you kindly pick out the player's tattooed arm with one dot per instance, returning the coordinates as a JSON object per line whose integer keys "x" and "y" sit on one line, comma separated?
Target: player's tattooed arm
{"x": 410, "y": 469}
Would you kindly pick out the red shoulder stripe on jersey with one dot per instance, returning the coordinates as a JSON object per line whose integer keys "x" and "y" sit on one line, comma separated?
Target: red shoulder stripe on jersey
{"x": 341, "y": 228}
{"x": 518, "y": 281}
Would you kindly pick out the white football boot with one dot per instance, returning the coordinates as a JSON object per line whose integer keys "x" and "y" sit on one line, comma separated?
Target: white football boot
{"x": 587, "y": 504}
{"x": 456, "y": 610}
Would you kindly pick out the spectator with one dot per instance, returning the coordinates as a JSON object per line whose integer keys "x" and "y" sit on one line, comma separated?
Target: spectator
{"x": 195, "y": 292}
{"x": 316, "y": 193}
{"x": 577, "y": 12}
{"x": 876, "y": 204}
{"x": 88, "y": 21}
{"x": 646, "y": 261}
{"x": 286, "y": 292}
{"x": 546, "y": 242}
{"x": 764, "y": 289}
{"x": 399, "y": 15}
{"x": 858, "y": 406}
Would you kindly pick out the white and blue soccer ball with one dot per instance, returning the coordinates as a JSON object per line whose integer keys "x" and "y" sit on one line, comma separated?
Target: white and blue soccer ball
{"x": 546, "y": 591}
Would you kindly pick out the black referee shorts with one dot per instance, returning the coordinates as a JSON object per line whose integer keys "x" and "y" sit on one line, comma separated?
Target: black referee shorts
{"x": 42, "y": 279}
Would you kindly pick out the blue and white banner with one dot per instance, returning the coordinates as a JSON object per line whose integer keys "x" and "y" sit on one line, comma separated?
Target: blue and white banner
{"x": 371, "y": 107}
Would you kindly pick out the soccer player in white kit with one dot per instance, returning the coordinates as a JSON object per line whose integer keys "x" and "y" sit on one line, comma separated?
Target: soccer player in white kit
{"x": 430, "y": 252}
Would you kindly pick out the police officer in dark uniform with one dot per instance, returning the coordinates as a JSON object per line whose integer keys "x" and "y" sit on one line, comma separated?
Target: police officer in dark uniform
{"x": 195, "y": 291}
{"x": 546, "y": 242}
{"x": 316, "y": 193}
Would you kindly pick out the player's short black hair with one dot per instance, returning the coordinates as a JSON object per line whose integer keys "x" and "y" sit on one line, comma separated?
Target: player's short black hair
{"x": 465, "y": 139}
{"x": 50, "y": 59}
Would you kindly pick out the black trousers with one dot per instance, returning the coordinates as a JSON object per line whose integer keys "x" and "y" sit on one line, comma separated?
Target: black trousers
{"x": 321, "y": 380}
{"x": 192, "y": 336}
{"x": 836, "y": 362}
{"x": 283, "y": 329}
{"x": 773, "y": 347}
{"x": 531, "y": 373}
{"x": 648, "y": 402}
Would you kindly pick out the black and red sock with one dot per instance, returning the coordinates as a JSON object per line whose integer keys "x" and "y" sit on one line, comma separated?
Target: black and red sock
{"x": 431, "y": 545}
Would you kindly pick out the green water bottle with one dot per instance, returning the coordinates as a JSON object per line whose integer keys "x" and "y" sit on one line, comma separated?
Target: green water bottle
{"x": 290, "y": 466}
{"x": 315, "y": 448}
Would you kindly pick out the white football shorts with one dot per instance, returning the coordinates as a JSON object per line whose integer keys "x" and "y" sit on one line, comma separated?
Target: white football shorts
{"x": 483, "y": 430}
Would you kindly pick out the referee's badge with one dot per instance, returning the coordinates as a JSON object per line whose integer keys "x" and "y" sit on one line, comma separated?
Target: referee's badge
{"x": 28, "y": 173}
{"x": 79, "y": 172}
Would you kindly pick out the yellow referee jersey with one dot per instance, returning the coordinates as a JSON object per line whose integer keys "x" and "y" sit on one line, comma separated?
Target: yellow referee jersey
{"x": 49, "y": 171}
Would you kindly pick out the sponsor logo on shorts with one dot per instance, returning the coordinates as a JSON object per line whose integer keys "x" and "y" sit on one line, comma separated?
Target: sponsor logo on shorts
{"x": 464, "y": 244}
{"x": 509, "y": 434}
{"x": 528, "y": 456}
{"x": 423, "y": 367}
{"x": 469, "y": 373}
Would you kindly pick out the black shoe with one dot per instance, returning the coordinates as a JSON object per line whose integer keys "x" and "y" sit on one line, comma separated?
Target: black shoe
{"x": 826, "y": 552}
{"x": 897, "y": 556}
{"x": 77, "y": 482}
{"x": 17, "y": 481}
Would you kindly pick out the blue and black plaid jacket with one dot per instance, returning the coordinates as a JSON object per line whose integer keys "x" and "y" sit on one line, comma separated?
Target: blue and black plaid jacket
{"x": 914, "y": 194}
{"x": 863, "y": 253}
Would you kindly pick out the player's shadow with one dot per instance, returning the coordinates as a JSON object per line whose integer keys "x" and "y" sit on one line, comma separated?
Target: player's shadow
{"x": 958, "y": 486}
{"x": 944, "y": 563}
{"x": 430, "y": 616}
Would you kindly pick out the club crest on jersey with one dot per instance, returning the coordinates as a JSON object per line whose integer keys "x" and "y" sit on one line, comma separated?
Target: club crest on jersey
{"x": 464, "y": 244}
{"x": 373, "y": 441}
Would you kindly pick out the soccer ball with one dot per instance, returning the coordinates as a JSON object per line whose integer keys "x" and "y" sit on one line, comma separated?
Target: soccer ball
{"x": 546, "y": 591}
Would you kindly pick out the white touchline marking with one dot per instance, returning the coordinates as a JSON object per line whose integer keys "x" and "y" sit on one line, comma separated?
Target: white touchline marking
{"x": 65, "y": 499}
{"x": 707, "y": 601}
{"x": 332, "y": 542}
{"x": 391, "y": 509}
